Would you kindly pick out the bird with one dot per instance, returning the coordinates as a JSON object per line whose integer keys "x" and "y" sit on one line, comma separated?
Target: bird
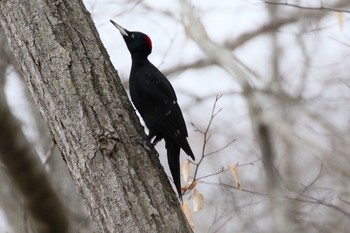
{"x": 154, "y": 98}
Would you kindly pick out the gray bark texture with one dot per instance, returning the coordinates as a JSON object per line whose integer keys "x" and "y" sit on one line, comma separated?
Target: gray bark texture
{"x": 11, "y": 202}
{"x": 79, "y": 94}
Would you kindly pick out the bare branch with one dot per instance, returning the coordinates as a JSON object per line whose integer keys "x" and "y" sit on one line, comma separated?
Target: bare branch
{"x": 311, "y": 183}
{"x": 222, "y": 148}
{"x": 226, "y": 169}
{"x": 320, "y": 8}
{"x": 206, "y": 137}
{"x": 272, "y": 26}
{"x": 232, "y": 44}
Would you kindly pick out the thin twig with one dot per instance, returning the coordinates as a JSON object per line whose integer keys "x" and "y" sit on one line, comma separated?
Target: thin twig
{"x": 206, "y": 137}
{"x": 311, "y": 183}
{"x": 213, "y": 174}
{"x": 222, "y": 148}
{"x": 347, "y": 202}
{"x": 233, "y": 187}
{"x": 249, "y": 163}
{"x": 223, "y": 169}
{"x": 312, "y": 200}
{"x": 324, "y": 203}
{"x": 320, "y": 8}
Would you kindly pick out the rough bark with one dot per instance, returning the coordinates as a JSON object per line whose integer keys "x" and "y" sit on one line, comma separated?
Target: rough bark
{"x": 58, "y": 174}
{"x": 79, "y": 94}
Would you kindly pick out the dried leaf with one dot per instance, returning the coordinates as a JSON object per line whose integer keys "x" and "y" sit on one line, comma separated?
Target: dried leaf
{"x": 192, "y": 185}
{"x": 187, "y": 211}
{"x": 198, "y": 199}
{"x": 234, "y": 171}
{"x": 186, "y": 170}
{"x": 340, "y": 17}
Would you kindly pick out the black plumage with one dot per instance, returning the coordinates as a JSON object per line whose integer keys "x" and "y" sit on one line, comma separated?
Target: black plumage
{"x": 155, "y": 99}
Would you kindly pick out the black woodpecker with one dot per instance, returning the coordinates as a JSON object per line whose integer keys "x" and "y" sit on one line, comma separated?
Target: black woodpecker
{"x": 155, "y": 100}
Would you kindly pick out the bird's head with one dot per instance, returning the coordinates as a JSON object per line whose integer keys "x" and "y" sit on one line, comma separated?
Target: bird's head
{"x": 138, "y": 43}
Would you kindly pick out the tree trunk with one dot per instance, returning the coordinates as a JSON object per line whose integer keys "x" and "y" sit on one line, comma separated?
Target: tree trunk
{"x": 10, "y": 200}
{"x": 79, "y": 94}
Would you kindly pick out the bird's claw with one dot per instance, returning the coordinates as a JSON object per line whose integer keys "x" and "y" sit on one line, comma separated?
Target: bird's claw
{"x": 148, "y": 145}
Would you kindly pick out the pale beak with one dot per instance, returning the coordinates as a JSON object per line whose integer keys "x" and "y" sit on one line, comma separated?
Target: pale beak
{"x": 120, "y": 28}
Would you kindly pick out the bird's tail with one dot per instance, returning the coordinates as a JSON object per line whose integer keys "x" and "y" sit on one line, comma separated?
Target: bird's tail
{"x": 173, "y": 152}
{"x": 186, "y": 147}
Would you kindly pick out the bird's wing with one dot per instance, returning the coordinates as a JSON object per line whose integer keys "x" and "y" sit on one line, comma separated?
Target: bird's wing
{"x": 170, "y": 117}
{"x": 155, "y": 90}
{"x": 154, "y": 87}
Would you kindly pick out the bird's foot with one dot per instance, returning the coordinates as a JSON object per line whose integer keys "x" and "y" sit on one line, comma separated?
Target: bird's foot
{"x": 148, "y": 145}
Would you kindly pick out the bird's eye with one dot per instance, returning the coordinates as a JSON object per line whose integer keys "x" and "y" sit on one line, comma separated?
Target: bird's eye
{"x": 132, "y": 35}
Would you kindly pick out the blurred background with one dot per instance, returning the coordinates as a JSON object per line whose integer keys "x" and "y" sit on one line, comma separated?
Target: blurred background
{"x": 265, "y": 90}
